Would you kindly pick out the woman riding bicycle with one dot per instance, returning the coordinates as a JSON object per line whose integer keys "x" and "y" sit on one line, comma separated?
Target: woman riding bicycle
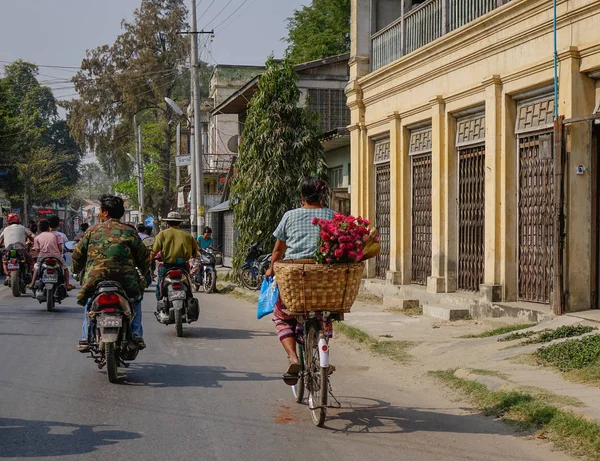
{"x": 297, "y": 239}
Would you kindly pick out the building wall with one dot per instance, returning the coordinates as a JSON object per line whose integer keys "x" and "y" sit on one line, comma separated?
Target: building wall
{"x": 340, "y": 157}
{"x": 489, "y": 63}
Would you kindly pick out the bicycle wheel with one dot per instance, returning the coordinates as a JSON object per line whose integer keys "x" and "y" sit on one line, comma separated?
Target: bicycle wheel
{"x": 298, "y": 388}
{"x": 248, "y": 280}
{"x": 317, "y": 378}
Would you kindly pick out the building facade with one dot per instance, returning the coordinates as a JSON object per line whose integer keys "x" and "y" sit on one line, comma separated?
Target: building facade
{"x": 455, "y": 155}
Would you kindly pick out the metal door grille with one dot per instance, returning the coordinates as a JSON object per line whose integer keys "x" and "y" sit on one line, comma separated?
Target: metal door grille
{"x": 471, "y": 246}
{"x": 382, "y": 218}
{"x": 536, "y": 227}
{"x": 421, "y": 219}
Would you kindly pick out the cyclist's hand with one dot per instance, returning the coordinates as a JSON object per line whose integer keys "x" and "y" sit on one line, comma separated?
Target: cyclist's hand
{"x": 270, "y": 273}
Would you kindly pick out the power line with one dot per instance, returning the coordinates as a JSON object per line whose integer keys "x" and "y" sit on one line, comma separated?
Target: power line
{"x": 206, "y": 10}
{"x": 218, "y": 14}
{"x": 234, "y": 19}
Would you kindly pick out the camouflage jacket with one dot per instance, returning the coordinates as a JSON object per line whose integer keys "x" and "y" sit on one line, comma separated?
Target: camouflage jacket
{"x": 110, "y": 251}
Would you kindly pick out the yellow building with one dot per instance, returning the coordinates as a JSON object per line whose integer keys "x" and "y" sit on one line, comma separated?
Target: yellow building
{"x": 454, "y": 149}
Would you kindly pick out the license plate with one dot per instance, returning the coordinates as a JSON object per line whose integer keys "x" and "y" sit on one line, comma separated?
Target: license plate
{"x": 13, "y": 267}
{"x": 109, "y": 321}
{"x": 177, "y": 295}
{"x": 50, "y": 278}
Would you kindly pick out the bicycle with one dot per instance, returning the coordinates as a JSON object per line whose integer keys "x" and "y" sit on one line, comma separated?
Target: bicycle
{"x": 313, "y": 354}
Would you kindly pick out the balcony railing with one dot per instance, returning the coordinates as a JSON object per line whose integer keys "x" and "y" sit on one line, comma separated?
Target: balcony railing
{"x": 424, "y": 24}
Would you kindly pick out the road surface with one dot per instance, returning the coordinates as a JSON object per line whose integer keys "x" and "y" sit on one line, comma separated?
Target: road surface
{"x": 216, "y": 394}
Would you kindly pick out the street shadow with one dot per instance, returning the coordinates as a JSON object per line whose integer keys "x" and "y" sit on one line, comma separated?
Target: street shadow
{"x": 163, "y": 375}
{"x": 361, "y": 415}
{"x": 6, "y": 333}
{"x": 224, "y": 333}
{"x": 21, "y": 438}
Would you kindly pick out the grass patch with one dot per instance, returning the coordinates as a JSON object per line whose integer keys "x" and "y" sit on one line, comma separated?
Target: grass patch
{"x": 547, "y": 335}
{"x": 566, "y": 430}
{"x": 412, "y": 311}
{"x": 395, "y": 350}
{"x": 501, "y": 330}
{"x": 236, "y": 292}
{"x": 369, "y": 298}
{"x": 483, "y": 372}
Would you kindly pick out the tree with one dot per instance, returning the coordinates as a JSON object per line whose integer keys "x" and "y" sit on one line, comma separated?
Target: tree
{"x": 94, "y": 182}
{"x": 35, "y": 144}
{"x": 281, "y": 144}
{"x": 131, "y": 77}
{"x": 319, "y": 30}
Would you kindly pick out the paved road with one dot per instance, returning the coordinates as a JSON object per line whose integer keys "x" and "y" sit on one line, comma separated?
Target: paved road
{"x": 216, "y": 395}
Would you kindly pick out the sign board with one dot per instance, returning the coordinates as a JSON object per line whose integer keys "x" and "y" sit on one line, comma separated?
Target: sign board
{"x": 183, "y": 160}
{"x": 45, "y": 211}
{"x": 180, "y": 200}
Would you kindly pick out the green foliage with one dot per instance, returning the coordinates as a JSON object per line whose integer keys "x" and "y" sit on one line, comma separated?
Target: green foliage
{"x": 132, "y": 76}
{"x": 501, "y": 331}
{"x": 319, "y": 30}
{"x": 94, "y": 182}
{"x": 280, "y": 146}
{"x": 570, "y": 355}
{"x": 566, "y": 430}
{"x": 547, "y": 335}
{"x": 35, "y": 145}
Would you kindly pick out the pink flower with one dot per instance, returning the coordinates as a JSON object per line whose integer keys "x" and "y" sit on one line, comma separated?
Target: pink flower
{"x": 352, "y": 255}
{"x": 315, "y": 221}
{"x": 338, "y": 253}
{"x": 329, "y": 260}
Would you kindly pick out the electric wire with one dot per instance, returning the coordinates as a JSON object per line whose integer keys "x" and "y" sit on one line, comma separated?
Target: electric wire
{"x": 218, "y": 14}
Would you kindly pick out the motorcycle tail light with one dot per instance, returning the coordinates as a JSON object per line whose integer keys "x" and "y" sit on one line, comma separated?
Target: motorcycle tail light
{"x": 106, "y": 299}
{"x": 109, "y": 310}
{"x": 175, "y": 274}
{"x": 176, "y": 286}
{"x": 50, "y": 271}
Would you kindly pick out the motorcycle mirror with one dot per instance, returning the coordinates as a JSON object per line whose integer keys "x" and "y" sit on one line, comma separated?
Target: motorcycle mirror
{"x": 70, "y": 245}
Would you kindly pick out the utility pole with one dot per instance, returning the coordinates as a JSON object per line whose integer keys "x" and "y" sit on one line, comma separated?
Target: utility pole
{"x": 193, "y": 178}
{"x": 197, "y": 125}
{"x": 178, "y": 150}
{"x": 141, "y": 174}
{"x": 136, "y": 161}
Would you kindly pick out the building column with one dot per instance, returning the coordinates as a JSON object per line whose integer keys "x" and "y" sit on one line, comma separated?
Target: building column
{"x": 577, "y": 98}
{"x": 451, "y": 205}
{"x": 491, "y": 290}
{"x": 436, "y": 282}
{"x": 355, "y": 171}
{"x": 508, "y": 199}
{"x": 394, "y": 275}
{"x": 367, "y": 187}
{"x": 360, "y": 38}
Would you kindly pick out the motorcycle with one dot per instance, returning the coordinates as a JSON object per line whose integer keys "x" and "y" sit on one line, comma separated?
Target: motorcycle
{"x": 110, "y": 338}
{"x": 19, "y": 273}
{"x": 204, "y": 273}
{"x": 254, "y": 269}
{"x": 177, "y": 303}
{"x": 50, "y": 286}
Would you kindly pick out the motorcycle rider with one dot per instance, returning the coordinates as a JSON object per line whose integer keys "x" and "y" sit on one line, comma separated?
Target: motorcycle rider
{"x": 15, "y": 236}
{"x": 54, "y": 222}
{"x": 82, "y": 230}
{"x": 176, "y": 247}
{"x": 47, "y": 245}
{"x": 111, "y": 250}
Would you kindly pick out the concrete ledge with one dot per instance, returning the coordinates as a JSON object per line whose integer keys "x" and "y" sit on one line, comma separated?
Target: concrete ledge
{"x": 399, "y": 303}
{"x": 436, "y": 284}
{"x": 445, "y": 313}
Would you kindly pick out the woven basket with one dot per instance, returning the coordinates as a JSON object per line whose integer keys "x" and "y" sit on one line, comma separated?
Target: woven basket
{"x": 305, "y": 286}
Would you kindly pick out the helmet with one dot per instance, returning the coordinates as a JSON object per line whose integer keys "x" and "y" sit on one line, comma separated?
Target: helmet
{"x": 13, "y": 218}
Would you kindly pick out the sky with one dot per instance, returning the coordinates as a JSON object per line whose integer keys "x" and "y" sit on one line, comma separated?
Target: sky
{"x": 58, "y": 32}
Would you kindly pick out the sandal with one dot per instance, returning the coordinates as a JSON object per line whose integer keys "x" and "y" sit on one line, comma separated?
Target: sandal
{"x": 292, "y": 375}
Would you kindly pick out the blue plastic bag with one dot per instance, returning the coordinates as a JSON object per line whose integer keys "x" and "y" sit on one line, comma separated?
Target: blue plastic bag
{"x": 269, "y": 292}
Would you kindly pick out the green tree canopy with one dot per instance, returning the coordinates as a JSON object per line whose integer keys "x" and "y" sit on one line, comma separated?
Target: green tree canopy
{"x": 319, "y": 30}
{"x": 132, "y": 76}
{"x": 37, "y": 152}
{"x": 280, "y": 146}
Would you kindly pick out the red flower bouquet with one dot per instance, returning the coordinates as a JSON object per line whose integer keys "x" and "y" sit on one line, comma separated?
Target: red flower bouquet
{"x": 345, "y": 239}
